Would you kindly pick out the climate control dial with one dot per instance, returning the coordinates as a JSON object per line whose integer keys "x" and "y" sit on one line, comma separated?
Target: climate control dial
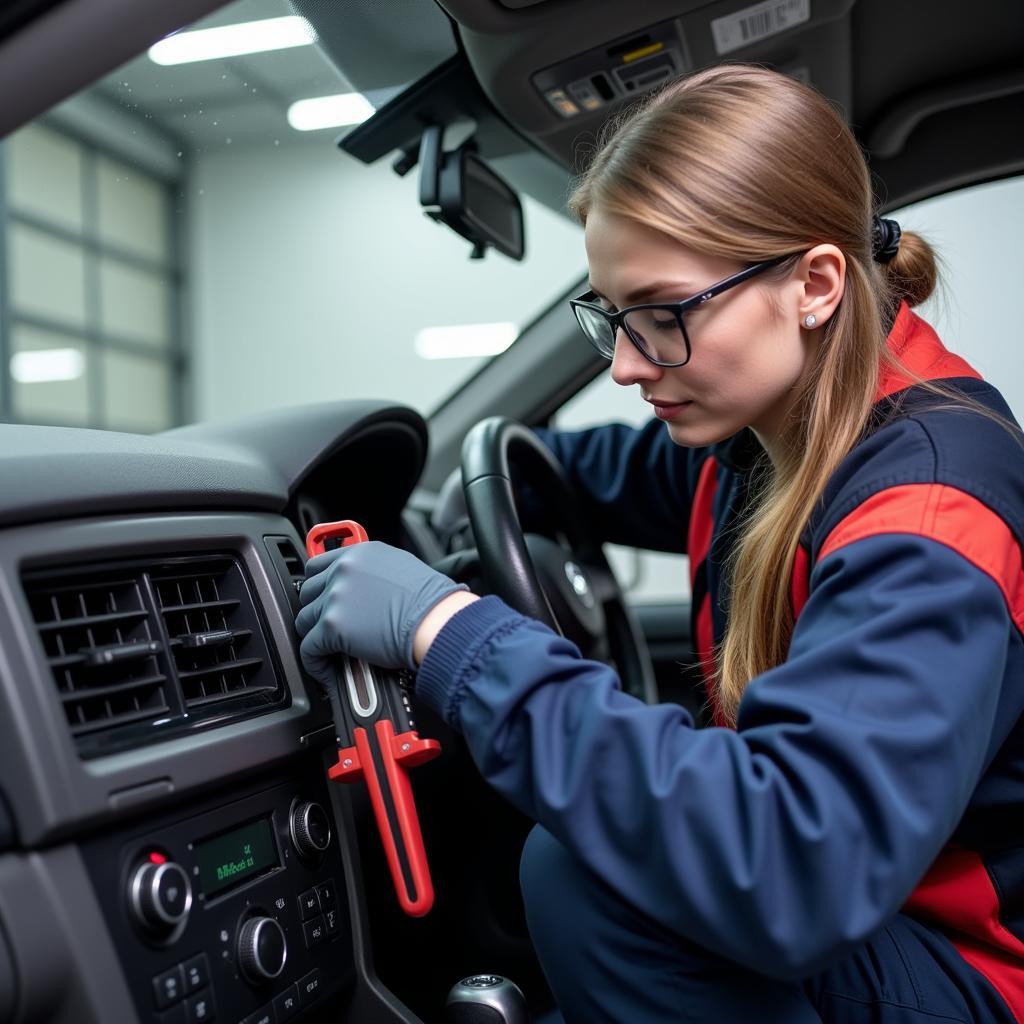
{"x": 262, "y": 949}
{"x": 310, "y": 829}
{"x": 160, "y": 895}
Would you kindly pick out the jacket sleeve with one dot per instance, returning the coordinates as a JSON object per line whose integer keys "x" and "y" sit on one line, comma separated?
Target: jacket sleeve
{"x": 784, "y": 844}
{"x": 635, "y": 484}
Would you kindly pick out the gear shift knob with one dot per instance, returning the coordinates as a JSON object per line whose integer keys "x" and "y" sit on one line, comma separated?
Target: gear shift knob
{"x": 486, "y": 999}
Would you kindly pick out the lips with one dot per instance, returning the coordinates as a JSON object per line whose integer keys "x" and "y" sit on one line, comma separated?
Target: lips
{"x": 666, "y": 410}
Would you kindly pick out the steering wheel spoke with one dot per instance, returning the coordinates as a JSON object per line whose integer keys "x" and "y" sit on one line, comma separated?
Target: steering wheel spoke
{"x": 569, "y": 586}
{"x": 602, "y": 580}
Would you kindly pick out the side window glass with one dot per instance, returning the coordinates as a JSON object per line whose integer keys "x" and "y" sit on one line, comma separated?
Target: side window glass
{"x": 648, "y": 577}
{"x": 976, "y": 235}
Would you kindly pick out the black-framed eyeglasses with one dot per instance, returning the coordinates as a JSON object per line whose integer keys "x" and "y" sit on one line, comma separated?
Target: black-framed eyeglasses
{"x": 657, "y": 329}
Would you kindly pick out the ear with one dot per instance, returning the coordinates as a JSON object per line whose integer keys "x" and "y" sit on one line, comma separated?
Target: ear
{"x": 820, "y": 277}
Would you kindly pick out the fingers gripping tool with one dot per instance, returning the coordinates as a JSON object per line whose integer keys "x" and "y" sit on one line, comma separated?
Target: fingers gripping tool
{"x": 377, "y": 744}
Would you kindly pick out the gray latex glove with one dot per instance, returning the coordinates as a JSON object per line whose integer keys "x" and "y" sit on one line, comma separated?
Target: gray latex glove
{"x": 365, "y": 600}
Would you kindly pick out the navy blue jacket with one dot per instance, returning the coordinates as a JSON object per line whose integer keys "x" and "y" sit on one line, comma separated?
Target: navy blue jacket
{"x": 879, "y": 768}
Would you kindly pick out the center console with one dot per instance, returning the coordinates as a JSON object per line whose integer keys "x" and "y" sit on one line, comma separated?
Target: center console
{"x": 231, "y": 908}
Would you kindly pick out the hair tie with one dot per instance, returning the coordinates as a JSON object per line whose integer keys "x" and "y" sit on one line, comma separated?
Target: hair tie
{"x": 885, "y": 239}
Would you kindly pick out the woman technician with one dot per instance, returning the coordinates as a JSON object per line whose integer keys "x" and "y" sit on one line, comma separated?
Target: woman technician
{"x": 847, "y": 844}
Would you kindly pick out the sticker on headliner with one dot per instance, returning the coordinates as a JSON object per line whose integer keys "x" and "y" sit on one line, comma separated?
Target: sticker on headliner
{"x": 752, "y": 24}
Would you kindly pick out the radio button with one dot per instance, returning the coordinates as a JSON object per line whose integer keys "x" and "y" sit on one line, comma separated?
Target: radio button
{"x": 309, "y": 988}
{"x": 200, "y": 1008}
{"x": 197, "y": 973}
{"x": 286, "y": 1005}
{"x": 315, "y": 932}
{"x": 325, "y": 890}
{"x": 309, "y": 905}
{"x": 168, "y": 987}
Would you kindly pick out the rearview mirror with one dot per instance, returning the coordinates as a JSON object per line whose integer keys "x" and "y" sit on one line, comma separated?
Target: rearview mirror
{"x": 459, "y": 189}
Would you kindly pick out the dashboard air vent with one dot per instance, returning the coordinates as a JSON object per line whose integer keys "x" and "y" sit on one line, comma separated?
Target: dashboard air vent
{"x": 144, "y": 649}
{"x": 101, "y": 648}
{"x": 211, "y": 628}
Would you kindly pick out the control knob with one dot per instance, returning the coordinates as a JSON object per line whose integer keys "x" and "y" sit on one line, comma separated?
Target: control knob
{"x": 160, "y": 895}
{"x": 262, "y": 949}
{"x": 311, "y": 829}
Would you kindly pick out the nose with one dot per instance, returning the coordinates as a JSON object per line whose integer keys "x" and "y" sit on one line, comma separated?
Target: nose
{"x": 629, "y": 366}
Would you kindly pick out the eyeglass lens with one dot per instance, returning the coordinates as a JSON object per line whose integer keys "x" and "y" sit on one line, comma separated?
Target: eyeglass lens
{"x": 657, "y": 332}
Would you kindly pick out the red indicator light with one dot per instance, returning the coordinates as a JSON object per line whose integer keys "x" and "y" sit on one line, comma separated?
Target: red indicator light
{"x": 157, "y": 858}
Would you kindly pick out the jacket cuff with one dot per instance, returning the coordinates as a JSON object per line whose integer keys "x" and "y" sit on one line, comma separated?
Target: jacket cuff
{"x": 442, "y": 676}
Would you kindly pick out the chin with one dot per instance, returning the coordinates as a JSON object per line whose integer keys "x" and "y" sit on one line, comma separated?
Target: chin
{"x": 699, "y": 435}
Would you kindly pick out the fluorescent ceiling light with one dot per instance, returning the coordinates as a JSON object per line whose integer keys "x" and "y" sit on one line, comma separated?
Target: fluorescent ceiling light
{"x": 233, "y": 40}
{"x": 47, "y": 365}
{"x": 329, "y": 111}
{"x": 465, "y": 341}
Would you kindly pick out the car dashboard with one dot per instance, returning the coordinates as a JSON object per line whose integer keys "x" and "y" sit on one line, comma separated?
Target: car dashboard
{"x": 169, "y": 847}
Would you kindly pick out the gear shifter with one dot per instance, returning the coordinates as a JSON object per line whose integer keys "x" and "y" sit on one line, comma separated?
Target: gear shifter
{"x": 486, "y": 999}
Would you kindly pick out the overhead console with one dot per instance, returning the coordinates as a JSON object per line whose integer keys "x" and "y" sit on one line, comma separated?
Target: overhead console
{"x": 556, "y": 70}
{"x": 604, "y": 75}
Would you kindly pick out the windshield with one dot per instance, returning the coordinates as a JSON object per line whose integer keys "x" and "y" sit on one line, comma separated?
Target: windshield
{"x": 185, "y": 241}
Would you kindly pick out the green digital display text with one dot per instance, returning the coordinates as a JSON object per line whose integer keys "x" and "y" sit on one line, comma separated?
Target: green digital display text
{"x": 235, "y": 856}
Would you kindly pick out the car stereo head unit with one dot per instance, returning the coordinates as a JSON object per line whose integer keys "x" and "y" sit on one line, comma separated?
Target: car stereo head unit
{"x": 235, "y": 911}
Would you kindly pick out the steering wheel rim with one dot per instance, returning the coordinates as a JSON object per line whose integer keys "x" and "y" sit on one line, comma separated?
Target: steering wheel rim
{"x": 556, "y": 594}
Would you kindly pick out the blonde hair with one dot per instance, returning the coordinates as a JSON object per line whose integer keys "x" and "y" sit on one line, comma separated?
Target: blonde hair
{"x": 741, "y": 162}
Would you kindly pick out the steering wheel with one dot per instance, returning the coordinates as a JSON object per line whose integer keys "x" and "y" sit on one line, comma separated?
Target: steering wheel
{"x": 566, "y": 583}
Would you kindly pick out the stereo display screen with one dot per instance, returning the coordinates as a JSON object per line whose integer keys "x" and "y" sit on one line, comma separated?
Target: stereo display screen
{"x": 235, "y": 856}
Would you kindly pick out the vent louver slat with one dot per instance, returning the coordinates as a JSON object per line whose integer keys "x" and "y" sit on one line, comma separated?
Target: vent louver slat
{"x": 140, "y": 650}
{"x": 103, "y": 691}
{"x": 205, "y": 601}
{"x": 200, "y": 606}
{"x": 84, "y": 616}
{"x": 94, "y": 620}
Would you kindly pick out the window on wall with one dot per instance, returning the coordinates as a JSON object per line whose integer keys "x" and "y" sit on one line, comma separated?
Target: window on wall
{"x": 89, "y": 287}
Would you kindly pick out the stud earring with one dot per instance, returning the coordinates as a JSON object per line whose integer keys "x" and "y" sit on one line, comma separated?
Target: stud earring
{"x": 810, "y": 320}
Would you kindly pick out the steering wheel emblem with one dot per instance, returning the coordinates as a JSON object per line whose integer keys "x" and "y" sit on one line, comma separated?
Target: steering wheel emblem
{"x": 579, "y": 584}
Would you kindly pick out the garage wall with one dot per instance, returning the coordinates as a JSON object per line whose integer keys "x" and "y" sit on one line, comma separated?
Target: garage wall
{"x": 311, "y": 273}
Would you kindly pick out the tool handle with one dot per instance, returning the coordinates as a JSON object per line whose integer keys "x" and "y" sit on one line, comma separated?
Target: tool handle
{"x": 395, "y": 811}
{"x": 347, "y": 530}
{"x": 382, "y": 759}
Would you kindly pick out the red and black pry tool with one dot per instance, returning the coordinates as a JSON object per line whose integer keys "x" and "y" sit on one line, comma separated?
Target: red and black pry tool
{"x": 377, "y": 743}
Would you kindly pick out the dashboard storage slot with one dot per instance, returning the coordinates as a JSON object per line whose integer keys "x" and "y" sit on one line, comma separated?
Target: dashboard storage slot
{"x": 141, "y": 650}
{"x": 290, "y": 565}
{"x": 294, "y": 564}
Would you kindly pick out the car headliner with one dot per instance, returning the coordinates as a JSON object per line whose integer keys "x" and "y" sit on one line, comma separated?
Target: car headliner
{"x": 934, "y": 91}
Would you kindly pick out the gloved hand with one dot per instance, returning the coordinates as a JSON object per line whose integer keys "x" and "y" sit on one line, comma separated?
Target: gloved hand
{"x": 365, "y": 600}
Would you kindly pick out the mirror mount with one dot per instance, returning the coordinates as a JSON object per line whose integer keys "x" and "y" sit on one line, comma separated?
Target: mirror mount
{"x": 459, "y": 189}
